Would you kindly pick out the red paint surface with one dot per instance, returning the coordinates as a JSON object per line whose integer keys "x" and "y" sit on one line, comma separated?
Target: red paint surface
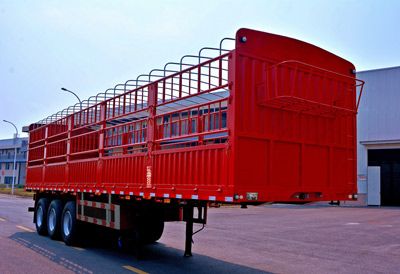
{"x": 287, "y": 127}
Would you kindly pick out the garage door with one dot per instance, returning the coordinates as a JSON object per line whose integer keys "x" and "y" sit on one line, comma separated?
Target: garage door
{"x": 389, "y": 162}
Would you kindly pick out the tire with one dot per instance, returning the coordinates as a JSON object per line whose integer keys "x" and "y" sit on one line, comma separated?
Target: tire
{"x": 147, "y": 231}
{"x": 150, "y": 230}
{"x": 69, "y": 224}
{"x": 54, "y": 219}
{"x": 155, "y": 232}
{"x": 41, "y": 216}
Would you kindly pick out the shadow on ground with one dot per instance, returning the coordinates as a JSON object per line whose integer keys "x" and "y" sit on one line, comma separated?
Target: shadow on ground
{"x": 97, "y": 257}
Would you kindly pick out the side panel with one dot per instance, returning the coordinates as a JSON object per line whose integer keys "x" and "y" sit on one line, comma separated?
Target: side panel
{"x": 164, "y": 139}
{"x": 55, "y": 173}
{"x": 200, "y": 171}
{"x": 123, "y": 173}
{"x": 83, "y": 172}
{"x": 34, "y": 174}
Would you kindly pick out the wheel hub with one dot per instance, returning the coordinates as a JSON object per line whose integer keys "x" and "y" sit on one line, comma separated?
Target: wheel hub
{"x": 52, "y": 219}
{"x": 67, "y": 223}
{"x": 39, "y": 216}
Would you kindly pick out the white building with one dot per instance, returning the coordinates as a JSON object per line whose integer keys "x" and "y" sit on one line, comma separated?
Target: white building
{"x": 379, "y": 137}
{"x": 7, "y": 150}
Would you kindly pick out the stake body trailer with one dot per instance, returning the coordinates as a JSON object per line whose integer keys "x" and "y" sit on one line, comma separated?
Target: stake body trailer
{"x": 273, "y": 119}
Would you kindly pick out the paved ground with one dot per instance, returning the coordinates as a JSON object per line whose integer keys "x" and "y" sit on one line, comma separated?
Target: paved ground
{"x": 273, "y": 238}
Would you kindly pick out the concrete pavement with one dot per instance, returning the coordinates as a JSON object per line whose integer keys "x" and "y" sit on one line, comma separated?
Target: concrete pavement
{"x": 272, "y": 238}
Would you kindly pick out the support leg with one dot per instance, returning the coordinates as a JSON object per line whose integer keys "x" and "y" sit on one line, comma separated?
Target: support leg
{"x": 189, "y": 231}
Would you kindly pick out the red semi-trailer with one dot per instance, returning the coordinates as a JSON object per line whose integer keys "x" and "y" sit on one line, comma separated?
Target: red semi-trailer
{"x": 271, "y": 120}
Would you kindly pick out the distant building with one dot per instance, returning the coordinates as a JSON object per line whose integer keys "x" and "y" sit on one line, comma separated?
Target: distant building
{"x": 379, "y": 137}
{"x": 7, "y": 149}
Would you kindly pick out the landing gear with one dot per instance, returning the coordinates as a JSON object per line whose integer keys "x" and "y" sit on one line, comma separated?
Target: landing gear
{"x": 188, "y": 216}
{"x": 189, "y": 231}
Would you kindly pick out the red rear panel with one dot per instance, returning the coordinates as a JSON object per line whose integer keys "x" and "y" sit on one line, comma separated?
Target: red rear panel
{"x": 295, "y": 120}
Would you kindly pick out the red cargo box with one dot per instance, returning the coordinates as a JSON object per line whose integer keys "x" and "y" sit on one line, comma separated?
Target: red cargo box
{"x": 274, "y": 119}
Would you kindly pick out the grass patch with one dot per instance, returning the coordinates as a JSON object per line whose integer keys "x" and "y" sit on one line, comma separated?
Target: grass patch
{"x": 17, "y": 191}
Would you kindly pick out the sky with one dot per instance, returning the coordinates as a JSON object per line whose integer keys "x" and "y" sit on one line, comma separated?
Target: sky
{"x": 89, "y": 46}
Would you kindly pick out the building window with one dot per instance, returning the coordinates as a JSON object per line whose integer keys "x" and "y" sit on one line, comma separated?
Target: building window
{"x": 9, "y": 166}
{"x": 8, "y": 180}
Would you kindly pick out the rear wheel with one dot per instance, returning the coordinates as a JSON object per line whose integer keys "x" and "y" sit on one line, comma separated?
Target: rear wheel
{"x": 54, "y": 219}
{"x": 149, "y": 229}
{"x": 153, "y": 231}
{"x": 41, "y": 216}
{"x": 69, "y": 225}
